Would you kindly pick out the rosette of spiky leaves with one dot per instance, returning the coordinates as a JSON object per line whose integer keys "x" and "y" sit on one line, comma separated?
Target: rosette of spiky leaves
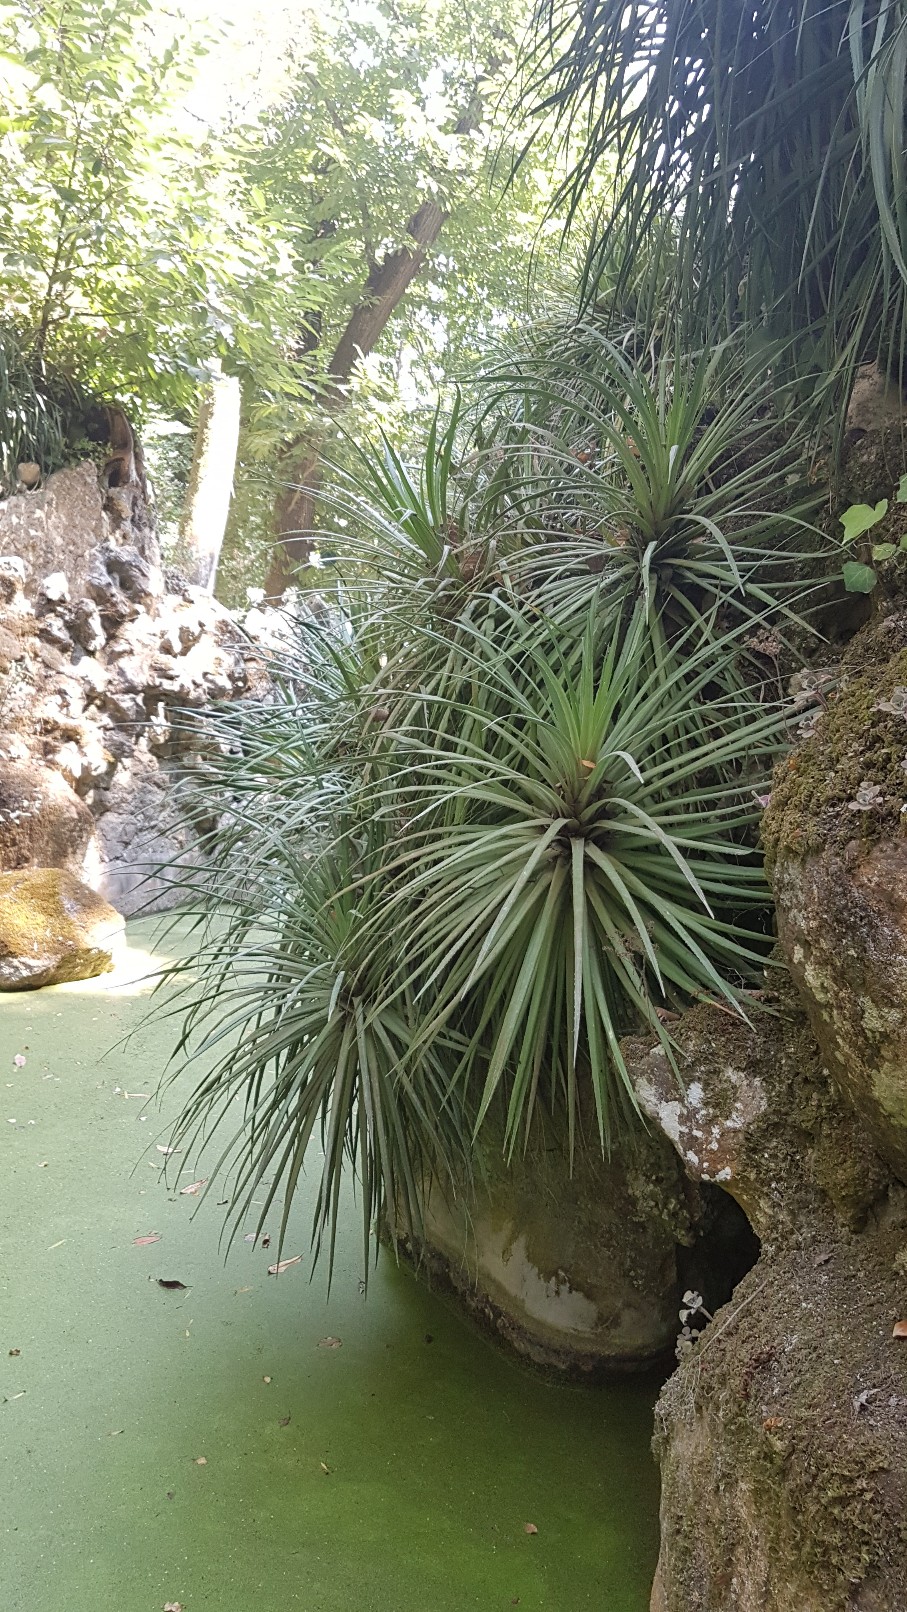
{"x": 688, "y": 483}
{"x": 286, "y": 1007}
{"x": 574, "y": 860}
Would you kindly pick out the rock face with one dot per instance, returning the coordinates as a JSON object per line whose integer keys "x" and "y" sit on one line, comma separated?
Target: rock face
{"x": 843, "y": 924}
{"x": 782, "y": 1438}
{"x": 105, "y": 675}
{"x": 53, "y": 929}
{"x": 43, "y": 823}
{"x": 575, "y": 1272}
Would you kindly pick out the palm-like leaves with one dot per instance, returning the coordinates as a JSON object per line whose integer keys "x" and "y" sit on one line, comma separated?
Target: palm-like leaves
{"x": 774, "y": 135}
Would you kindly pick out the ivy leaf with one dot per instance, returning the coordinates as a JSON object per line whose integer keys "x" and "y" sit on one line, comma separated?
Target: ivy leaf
{"x": 884, "y": 551}
{"x": 901, "y": 494}
{"x": 858, "y": 578}
{"x": 860, "y": 518}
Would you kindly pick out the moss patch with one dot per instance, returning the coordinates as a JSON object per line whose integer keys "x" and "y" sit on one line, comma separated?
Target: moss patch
{"x": 817, "y": 801}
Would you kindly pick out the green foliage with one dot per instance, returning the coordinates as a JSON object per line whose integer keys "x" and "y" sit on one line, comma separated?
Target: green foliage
{"x": 31, "y": 426}
{"x": 774, "y": 140}
{"x": 505, "y": 809}
{"x": 860, "y": 518}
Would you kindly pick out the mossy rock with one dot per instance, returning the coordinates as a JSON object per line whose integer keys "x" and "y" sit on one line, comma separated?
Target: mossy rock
{"x": 53, "y": 929}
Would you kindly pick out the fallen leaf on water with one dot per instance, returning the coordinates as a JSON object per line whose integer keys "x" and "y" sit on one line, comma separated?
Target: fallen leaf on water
{"x": 330, "y": 1343}
{"x": 266, "y": 1379}
{"x": 193, "y": 1190}
{"x": 242, "y": 1290}
{"x": 115, "y": 1432}
{"x": 249, "y": 1237}
{"x": 173, "y": 1606}
{"x": 325, "y": 1468}
{"x": 167, "y": 1150}
{"x": 43, "y": 1165}
{"x": 266, "y": 1240}
{"x": 14, "y": 1352}
{"x": 170, "y": 1494}
{"x": 143, "y": 1242}
{"x": 172, "y": 1286}
{"x": 284, "y": 1421}
{"x": 19, "y": 1061}
{"x": 10, "y": 1397}
{"x": 900, "y": 1329}
{"x": 529, "y": 1528}
{"x": 201, "y": 1460}
{"x": 275, "y": 1270}
{"x": 56, "y": 1245}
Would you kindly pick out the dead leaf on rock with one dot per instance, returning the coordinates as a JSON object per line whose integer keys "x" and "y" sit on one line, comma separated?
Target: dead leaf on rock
{"x": 145, "y": 1242}
{"x": 529, "y": 1528}
{"x": 201, "y": 1460}
{"x": 172, "y": 1286}
{"x": 900, "y": 1329}
{"x": 275, "y": 1270}
{"x": 193, "y": 1190}
{"x": 330, "y": 1343}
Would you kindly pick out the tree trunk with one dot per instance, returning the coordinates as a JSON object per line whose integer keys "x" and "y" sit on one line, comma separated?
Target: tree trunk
{"x": 211, "y": 480}
{"x": 300, "y": 465}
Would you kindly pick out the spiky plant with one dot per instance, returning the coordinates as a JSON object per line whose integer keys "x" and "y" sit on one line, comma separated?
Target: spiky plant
{"x": 773, "y": 136}
{"x": 30, "y": 419}
{"x": 460, "y": 917}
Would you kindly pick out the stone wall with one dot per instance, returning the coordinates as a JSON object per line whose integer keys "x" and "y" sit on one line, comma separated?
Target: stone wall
{"x": 105, "y": 667}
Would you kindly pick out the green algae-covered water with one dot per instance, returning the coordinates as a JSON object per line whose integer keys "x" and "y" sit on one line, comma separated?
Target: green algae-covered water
{"x": 241, "y": 1444}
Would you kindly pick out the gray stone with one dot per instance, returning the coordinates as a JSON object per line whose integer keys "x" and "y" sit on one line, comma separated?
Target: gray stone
{"x": 42, "y": 822}
{"x": 56, "y": 528}
{"x": 86, "y": 626}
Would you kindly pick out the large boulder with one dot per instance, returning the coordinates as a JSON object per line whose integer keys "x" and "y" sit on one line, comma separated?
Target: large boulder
{"x": 43, "y": 823}
{"x": 574, "y": 1270}
{"x": 782, "y": 1437}
{"x": 53, "y": 929}
{"x": 835, "y": 833}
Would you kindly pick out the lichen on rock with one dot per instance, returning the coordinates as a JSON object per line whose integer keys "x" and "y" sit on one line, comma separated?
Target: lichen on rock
{"x": 53, "y": 929}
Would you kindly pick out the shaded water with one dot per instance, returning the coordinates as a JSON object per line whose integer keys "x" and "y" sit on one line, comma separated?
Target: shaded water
{"x": 144, "y": 1459}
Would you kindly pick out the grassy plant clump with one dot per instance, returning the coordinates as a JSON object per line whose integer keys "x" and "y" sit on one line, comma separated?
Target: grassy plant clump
{"x": 502, "y": 807}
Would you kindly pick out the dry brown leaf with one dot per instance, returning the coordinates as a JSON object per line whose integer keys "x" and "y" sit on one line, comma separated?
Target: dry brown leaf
{"x": 284, "y": 1421}
{"x": 266, "y": 1379}
{"x": 266, "y": 1240}
{"x": 14, "y": 1352}
{"x": 330, "y": 1343}
{"x": 900, "y": 1329}
{"x": 275, "y": 1270}
{"x": 193, "y": 1190}
{"x": 144, "y": 1242}
{"x": 529, "y": 1528}
{"x": 172, "y": 1286}
{"x": 589, "y": 765}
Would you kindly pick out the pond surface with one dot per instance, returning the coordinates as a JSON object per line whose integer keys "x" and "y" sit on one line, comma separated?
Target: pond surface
{"x": 206, "y": 1447}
